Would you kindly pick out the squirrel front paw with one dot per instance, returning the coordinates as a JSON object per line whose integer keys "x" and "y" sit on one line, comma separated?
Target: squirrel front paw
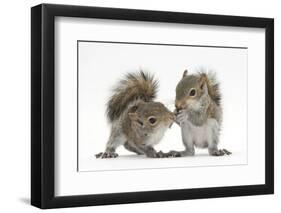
{"x": 173, "y": 154}
{"x": 153, "y": 154}
{"x": 106, "y": 155}
{"x": 181, "y": 117}
{"x": 170, "y": 154}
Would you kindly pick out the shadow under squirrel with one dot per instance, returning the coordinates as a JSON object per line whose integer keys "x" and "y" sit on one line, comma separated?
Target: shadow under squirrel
{"x": 137, "y": 122}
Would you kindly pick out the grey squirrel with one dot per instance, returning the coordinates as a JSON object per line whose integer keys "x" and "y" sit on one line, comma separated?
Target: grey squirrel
{"x": 137, "y": 122}
{"x": 199, "y": 113}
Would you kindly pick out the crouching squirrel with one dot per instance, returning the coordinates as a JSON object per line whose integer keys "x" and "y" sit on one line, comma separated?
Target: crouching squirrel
{"x": 137, "y": 122}
{"x": 199, "y": 113}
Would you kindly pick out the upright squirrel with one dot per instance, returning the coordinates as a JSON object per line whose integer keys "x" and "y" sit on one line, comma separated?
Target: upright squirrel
{"x": 137, "y": 122}
{"x": 199, "y": 113}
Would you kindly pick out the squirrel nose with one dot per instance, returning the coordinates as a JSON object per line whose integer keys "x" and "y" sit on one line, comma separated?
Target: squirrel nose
{"x": 180, "y": 105}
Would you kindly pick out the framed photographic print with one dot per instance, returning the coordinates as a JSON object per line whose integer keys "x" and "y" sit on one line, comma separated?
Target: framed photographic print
{"x": 139, "y": 106}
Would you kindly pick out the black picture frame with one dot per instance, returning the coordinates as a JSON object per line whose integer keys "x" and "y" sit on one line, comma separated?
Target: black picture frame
{"x": 43, "y": 100}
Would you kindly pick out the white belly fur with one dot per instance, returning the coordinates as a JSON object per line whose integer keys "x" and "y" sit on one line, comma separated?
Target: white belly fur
{"x": 201, "y": 136}
{"x": 156, "y": 137}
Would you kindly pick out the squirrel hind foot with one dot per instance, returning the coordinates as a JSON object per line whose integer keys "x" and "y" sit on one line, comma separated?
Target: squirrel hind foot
{"x": 220, "y": 152}
{"x": 106, "y": 155}
{"x": 226, "y": 152}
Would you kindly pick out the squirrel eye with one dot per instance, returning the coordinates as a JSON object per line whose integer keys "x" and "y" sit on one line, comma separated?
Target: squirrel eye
{"x": 152, "y": 120}
{"x": 192, "y": 92}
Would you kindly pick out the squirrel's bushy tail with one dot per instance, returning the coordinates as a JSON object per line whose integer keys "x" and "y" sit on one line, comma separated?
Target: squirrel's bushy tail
{"x": 213, "y": 86}
{"x": 134, "y": 86}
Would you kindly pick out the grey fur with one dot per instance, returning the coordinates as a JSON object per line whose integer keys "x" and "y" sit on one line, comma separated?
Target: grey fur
{"x": 198, "y": 127}
{"x": 129, "y": 110}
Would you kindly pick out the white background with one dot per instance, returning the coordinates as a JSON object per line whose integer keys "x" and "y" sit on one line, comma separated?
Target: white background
{"x": 15, "y": 108}
{"x": 70, "y": 182}
{"x": 102, "y": 65}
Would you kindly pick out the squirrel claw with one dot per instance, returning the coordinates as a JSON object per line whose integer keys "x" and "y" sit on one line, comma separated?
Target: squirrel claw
{"x": 173, "y": 154}
{"x": 161, "y": 154}
{"x": 226, "y": 152}
{"x": 221, "y": 152}
{"x": 99, "y": 155}
{"x": 170, "y": 154}
{"x": 218, "y": 152}
{"x": 106, "y": 155}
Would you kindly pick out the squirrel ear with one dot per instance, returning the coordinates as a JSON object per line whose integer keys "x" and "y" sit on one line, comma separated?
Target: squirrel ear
{"x": 205, "y": 88}
{"x": 133, "y": 116}
{"x": 132, "y": 112}
{"x": 133, "y": 109}
{"x": 203, "y": 83}
{"x": 184, "y": 73}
